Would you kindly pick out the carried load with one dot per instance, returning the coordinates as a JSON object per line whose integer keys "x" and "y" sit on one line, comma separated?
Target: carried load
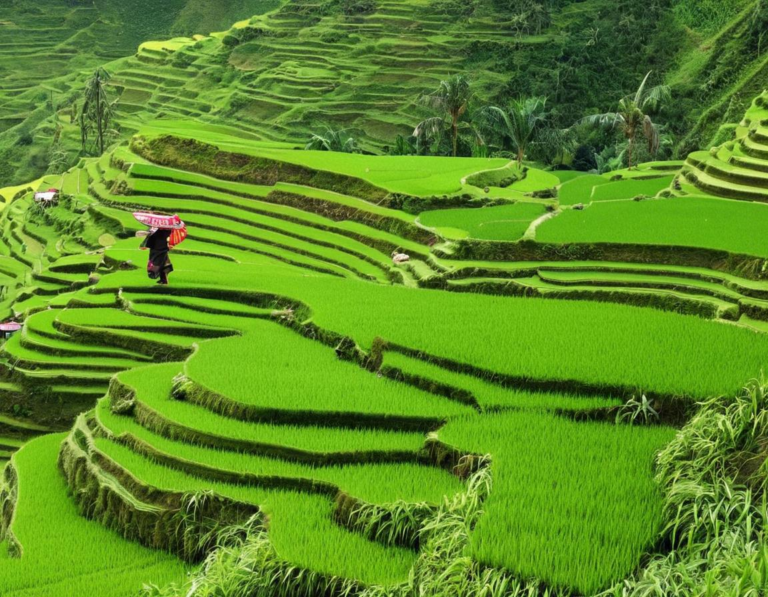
{"x": 8, "y": 329}
{"x": 177, "y": 237}
{"x": 159, "y": 221}
{"x": 162, "y": 222}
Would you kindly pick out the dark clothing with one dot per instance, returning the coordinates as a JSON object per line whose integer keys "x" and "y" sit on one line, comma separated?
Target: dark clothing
{"x": 159, "y": 265}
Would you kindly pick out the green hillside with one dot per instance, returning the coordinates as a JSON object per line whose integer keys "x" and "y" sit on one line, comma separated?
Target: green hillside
{"x": 45, "y": 45}
{"x": 376, "y": 369}
{"x": 362, "y": 64}
{"x": 737, "y": 169}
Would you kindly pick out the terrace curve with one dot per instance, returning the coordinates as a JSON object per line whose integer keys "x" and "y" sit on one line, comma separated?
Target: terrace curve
{"x": 285, "y": 262}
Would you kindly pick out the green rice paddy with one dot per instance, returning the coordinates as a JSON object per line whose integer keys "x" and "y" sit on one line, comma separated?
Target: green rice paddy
{"x": 81, "y": 555}
{"x": 683, "y": 221}
{"x": 621, "y": 511}
{"x": 298, "y": 414}
{"x": 507, "y": 222}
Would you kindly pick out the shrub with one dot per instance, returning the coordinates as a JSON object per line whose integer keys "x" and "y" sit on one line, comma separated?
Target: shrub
{"x": 454, "y": 8}
{"x": 358, "y": 7}
{"x": 230, "y": 40}
{"x": 584, "y": 158}
{"x": 25, "y": 140}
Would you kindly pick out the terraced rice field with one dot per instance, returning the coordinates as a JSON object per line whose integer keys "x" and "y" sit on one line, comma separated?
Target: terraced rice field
{"x": 505, "y": 222}
{"x": 679, "y": 221}
{"x": 331, "y": 407}
{"x": 81, "y": 555}
{"x": 736, "y": 169}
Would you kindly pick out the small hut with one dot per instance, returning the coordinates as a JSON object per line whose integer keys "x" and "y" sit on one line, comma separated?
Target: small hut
{"x": 49, "y": 197}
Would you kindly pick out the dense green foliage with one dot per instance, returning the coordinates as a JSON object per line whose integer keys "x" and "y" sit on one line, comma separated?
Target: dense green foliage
{"x": 300, "y": 68}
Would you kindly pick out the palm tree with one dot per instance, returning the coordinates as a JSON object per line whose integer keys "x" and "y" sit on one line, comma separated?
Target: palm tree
{"x": 452, "y": 98}
{"x": 552, "y": 144}
{"x": 632, "y": 117}
{"x": 333, "y": 140}
{"x": 58, "y": 159}
{"x": 97, "y": 111}
{"x": 403, "y": 146}
{"x": 522, "y": 122}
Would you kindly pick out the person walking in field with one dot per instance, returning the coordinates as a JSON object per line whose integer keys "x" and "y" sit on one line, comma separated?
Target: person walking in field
{"x": 165, "y": 233}
{"x": 159, "y": 264}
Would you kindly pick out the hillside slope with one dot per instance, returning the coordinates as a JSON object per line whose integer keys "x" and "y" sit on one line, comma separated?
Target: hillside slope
{"x": 361, "y": 65}
{"x": 45, "y": 45}
{"x": 717, "y": 78}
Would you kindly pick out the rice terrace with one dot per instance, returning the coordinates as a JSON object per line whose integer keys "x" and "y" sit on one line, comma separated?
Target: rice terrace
{"x": 383, "y": 298}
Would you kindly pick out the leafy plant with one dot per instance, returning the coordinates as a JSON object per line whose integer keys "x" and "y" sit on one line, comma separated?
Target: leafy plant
{"x": 608, "y": 160}
{"x": 522, "y": 122}
{"x": 404, "y": 146}
{"x": 637, "y": 411}
{"x": 452, "y": 99}
{"x": 632, "y": 118}
{"x": 333, "y": 140}
{"x": 97, "y": 111}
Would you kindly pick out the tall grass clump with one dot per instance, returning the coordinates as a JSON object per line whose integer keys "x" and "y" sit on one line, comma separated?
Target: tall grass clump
{"x": 707, "y": 16}
{"x": 714, "y": 478}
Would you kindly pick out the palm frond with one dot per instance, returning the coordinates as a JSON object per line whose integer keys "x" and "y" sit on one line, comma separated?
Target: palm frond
{"x": 656, "y": 96}
{"x": 433, "y": 101}
{"x": 430, "y": 128}
{"x": 317, "y": 142}
{"x": 452, "y": 96}
{"x": 608, "y": 120}
{"x": 641, "y": 90}
{"x": 474, "y": 130}
{"x": 494, "y": 117}
{"x": 651, "y": 133}
{"x": 333, "y": 140}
